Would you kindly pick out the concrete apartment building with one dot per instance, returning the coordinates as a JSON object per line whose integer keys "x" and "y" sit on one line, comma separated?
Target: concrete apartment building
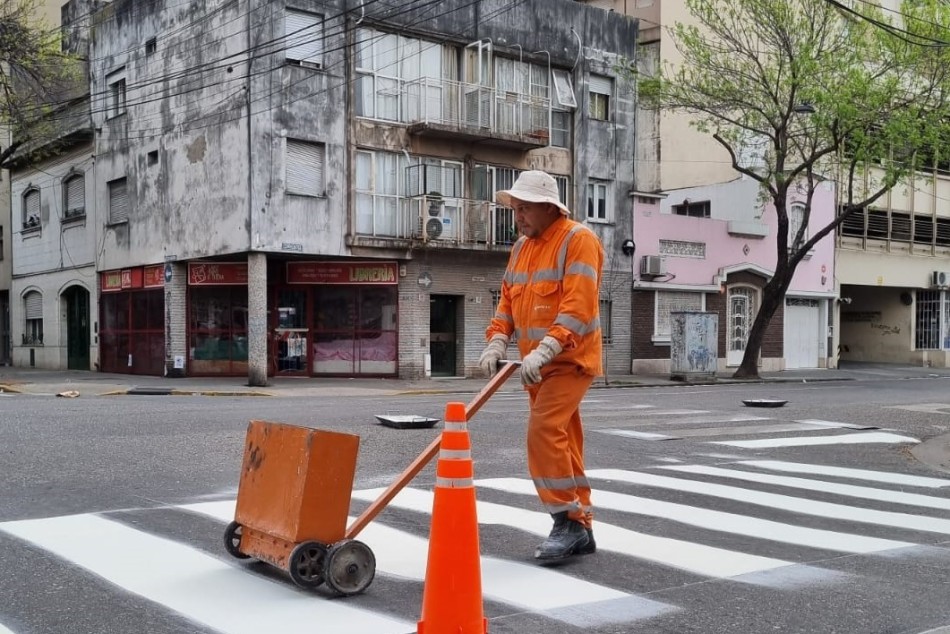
{"x": 704, "y": 240}
{"x": 307, "y": 188}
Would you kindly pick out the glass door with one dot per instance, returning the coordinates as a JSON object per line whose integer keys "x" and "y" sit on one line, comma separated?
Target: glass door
{"x": 291, "y": 335}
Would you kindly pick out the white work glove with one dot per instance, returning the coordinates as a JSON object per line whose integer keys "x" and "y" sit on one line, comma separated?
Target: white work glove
{"x": 538, "y": 358}
{"x": 495, "y": 351}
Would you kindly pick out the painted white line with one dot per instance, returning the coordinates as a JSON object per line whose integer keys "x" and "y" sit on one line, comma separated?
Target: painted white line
{"x": 808, "y": 441}
{"x": 696, "y": 558}
{"x": 834, "y": 424}
{"x": 843, "y": 472}
{"x": 700, "y": 420}
{"x": 776, "y": 501}
{"x": 639, "y": 435}
{"x": 867, "y": 493}
{"x": 718, "y": 521}
{"x": 196, "y": 585}
{"x": 741, "y": 430}
{"x": 543, "y": 590}
{"x": 4, "y": 630}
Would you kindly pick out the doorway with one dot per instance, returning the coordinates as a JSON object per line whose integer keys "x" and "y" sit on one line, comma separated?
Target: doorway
{"x": 289, "y": 352}
{"x": 77, "y": 328}
{"x": 443, "y": 330}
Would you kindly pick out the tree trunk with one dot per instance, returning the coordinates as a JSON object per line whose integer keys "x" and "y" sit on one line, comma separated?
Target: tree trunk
{"x": 772, "y": 296}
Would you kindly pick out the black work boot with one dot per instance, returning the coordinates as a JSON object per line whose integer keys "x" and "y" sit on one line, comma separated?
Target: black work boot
{"x": 589, "y": 548}
{"x": 565, "y": 539}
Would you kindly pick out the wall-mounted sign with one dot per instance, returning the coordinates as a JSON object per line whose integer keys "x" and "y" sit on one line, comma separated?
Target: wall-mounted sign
{"x": 121, "y": 279}
{"x": 342, "y": 273}
{"x": 217, "y": 273}
{"x": 154, "y": 276}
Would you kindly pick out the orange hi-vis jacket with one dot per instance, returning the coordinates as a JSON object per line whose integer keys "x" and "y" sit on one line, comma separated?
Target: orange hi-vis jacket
{"x": 552, "y": 288}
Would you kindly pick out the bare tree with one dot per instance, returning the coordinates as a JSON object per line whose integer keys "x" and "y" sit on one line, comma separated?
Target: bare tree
{"x": 816, "y": 90}
{"x": 37, "y": 80}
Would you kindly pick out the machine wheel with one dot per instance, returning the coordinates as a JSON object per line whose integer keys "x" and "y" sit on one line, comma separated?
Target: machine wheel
{"x": 306, "y": 564}
{"x": 350, "y": 567}
{"x": 232, "y": 541}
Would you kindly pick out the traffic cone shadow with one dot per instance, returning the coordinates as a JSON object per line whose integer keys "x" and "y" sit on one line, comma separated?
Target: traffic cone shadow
{"x": 452, "y": 595}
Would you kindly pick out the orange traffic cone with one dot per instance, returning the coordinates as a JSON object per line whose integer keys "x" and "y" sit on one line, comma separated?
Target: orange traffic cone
{"x": 452, "y": 596}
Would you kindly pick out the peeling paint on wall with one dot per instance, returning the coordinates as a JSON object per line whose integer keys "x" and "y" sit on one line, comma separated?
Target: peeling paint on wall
{"x": 196, "y": 150}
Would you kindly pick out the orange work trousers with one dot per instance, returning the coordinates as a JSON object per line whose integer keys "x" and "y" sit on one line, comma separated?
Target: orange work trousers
{"x": 556, "y": 443}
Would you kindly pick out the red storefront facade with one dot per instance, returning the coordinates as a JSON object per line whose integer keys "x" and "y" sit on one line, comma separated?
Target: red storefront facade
{"x": 132, "y": 320}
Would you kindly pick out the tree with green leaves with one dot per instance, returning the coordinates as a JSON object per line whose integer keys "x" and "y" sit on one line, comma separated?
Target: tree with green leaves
{"x": 37, "y": 80}
{"x": 814, "y": 90}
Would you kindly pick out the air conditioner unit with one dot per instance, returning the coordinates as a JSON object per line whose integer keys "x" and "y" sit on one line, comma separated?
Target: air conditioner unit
{"x": 940, "y": 278}
{"x": 432, "y": 219}
{"x": 651, "y": 266}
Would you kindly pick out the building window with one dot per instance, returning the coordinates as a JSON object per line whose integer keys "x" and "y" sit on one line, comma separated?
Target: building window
{"x": 796, "y": 217}
{"x": 381, "y": 193}
{"x": 304, "y": 165}
{"x": 74, "y": 196}
{"x": 31, "y": 208}
{"x": 118, "y": 201}
{"x": 561, "y": 128}
{"x": 932, "y": 318}
{"x": 672, "y": 301}
{"x": 598, "y": 201}
{"x": 33, "y": 326}
{"x": 606, "y": 320}
{"x": 1, "y": 242}
{"x": 600, "y": 89}
{"x": 403, "y": 79}
{"x": 303, "y": 38}
{"x": 701, "y": 209}
{"x": 116, "y": 93}
{"x": 151, "y": 46}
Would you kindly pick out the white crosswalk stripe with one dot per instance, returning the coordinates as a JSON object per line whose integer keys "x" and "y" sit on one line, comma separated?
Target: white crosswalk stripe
{"x": 641, "y": 524}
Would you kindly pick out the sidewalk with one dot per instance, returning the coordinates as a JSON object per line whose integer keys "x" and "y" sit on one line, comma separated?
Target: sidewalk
{"x": 51, "y": 382}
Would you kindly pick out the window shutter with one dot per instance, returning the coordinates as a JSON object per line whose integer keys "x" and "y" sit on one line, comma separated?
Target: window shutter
{"x": 305, "y": 168}
{"x": 75, "y": 196}
{"x": 304, "y": 37}
{"x": 33, "y": 303}
{"x": 31, "y": 206}
{"x": 672, "y": 301}
{"x": 600, "y": 85}
{"x": 118, "y": 201}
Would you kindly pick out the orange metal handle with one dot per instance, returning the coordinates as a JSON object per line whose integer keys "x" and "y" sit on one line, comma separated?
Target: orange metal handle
{"x": 504, "y": 373}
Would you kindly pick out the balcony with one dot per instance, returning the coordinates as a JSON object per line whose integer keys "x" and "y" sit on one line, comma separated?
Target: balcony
{"x": 435, "y": 222}
{"x": 469, "y": 112}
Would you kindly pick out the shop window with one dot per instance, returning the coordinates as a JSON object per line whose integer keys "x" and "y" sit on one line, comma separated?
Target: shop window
{"x": 74, "y": 197}
{"x": 132, "y": 332}
{"x": 672, "y": 301}
{"x": 33, "y": 312}
{"x": 31, "y": 209}
{"x": 305, "y": 168}
{"x": 303, "y": 38}
{"x": 599, "y": 89}
{"x": 118, "y": 201}
{"x": 355, "y": 330}
{"x": 116, "y": 93}
{"x": 218, "y": 330}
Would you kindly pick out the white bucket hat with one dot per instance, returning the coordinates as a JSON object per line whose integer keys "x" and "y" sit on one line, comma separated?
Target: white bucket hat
{"x": 533, "y": 186}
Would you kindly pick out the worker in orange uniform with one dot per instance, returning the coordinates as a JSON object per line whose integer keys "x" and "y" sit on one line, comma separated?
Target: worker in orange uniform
{"x": 550, "y": 298}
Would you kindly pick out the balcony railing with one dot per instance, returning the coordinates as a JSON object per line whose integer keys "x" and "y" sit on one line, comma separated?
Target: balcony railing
{"x": 443, "y": 222}
{"x": 443, "y": 105}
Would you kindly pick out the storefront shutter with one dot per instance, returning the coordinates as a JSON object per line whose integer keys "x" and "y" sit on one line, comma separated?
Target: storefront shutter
{"x": 304, "y": 37}
{"x": 75, "y": 196}
{"x": 305, "y": 168}
{"x": 118, "y": 201}
{"x": 33, "y": 304}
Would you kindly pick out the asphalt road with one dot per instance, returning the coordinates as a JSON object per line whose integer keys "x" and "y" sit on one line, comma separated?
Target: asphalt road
{"x": 712, "y": 517}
